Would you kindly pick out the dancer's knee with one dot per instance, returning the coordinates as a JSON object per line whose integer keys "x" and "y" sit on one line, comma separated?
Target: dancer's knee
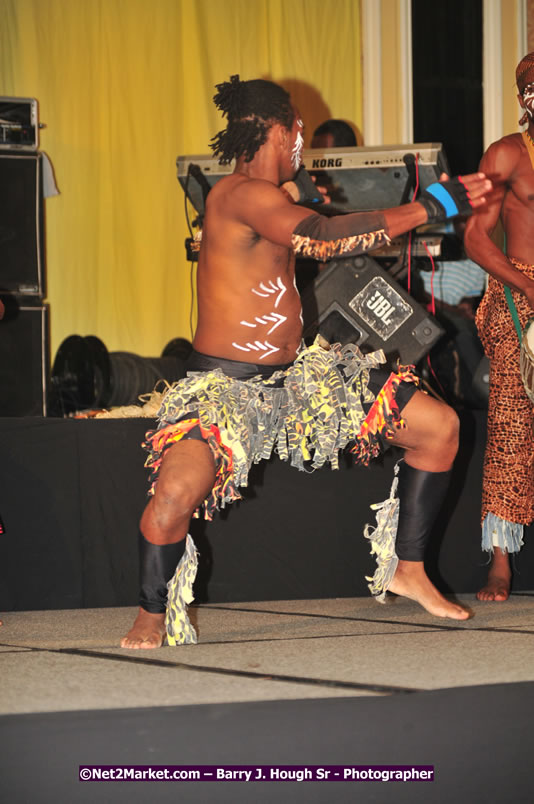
{"x": 448, "y": 429}
{"x": 171, "y": 506}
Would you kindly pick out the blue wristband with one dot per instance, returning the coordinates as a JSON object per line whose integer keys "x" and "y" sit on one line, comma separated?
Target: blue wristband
{"x": 444, "y": 197}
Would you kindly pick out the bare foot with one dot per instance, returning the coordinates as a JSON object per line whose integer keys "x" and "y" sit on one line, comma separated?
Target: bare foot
{"x": 496, "y": 589}
{"x": 499, "y": 579}
{"x": 410, "y": 580}
{"x": 148, "y": 632}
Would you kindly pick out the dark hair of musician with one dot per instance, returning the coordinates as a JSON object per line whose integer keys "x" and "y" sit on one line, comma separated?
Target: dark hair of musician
{"x": 342, "y": 133}
{"x": 251, "y": 108}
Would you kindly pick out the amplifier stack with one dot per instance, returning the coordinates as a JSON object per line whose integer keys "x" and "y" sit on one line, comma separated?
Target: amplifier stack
{"x": 24, "y": 337}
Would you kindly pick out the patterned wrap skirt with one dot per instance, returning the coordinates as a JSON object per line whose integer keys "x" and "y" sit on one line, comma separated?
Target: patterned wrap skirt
{"x": 508, "y": 476}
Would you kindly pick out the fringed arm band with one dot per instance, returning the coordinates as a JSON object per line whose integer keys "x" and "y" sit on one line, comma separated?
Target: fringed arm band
{"x": 324, "y": 238}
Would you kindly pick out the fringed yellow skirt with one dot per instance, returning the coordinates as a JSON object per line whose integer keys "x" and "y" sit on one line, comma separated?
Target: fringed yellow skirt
{"x": 307, "y": 414}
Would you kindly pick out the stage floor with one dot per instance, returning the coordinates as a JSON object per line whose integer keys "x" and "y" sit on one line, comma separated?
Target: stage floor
{"x": 320, "y": 682}
{"x": 262, "y": 651}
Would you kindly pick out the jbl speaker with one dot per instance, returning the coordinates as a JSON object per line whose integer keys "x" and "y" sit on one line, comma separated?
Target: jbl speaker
{"x": 24, "y": 357}
{"x": 21, "y": 224}
{"x": 354, "y": 300}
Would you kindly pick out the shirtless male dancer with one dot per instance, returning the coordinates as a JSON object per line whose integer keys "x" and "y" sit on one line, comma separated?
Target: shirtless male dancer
{"x": 252, "y": 388}
{"x": 508, "y": 478}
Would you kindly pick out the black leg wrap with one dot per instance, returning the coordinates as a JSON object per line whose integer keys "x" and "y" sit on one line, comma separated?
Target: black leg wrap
{"x": 158, "y": 563}
{"x": 421, "y": 496}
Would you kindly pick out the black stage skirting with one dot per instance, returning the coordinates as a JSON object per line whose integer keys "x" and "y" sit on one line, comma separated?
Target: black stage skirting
{"x": 478, "y": 739}
{"x": 72, "y": 492}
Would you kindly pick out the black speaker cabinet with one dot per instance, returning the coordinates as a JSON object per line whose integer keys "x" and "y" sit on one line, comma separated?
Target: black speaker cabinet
{"x": 354, "y": 300}
{"x": 24, "y": 357}
{"x": 21, "y": 224}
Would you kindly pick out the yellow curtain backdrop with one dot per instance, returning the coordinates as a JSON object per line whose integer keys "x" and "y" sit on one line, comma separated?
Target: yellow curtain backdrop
{"x": 124, "y": 87}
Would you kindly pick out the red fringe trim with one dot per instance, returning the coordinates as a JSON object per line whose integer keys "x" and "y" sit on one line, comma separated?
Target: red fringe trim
{"x": 158, "y": 442}
{"x": 384, "y": 417}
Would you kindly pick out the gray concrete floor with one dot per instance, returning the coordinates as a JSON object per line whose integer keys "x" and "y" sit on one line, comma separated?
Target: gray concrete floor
{"x": 263, "y": 651}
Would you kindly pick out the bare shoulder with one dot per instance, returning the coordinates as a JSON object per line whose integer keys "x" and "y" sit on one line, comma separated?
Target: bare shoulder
{"x": 502, "y": 157}
{"x": 243, "y": 199}
{"x": 511, "y": 143}
{"x": 255, "y": 205}
{"x": 238, "y": 189}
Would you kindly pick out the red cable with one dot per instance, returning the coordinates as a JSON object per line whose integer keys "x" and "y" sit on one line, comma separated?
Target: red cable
{"x": 432, "y": 297}
{"x": 432, "y": 306}
{"x": 416, "y": 176}
{"x": 414, "y": 196}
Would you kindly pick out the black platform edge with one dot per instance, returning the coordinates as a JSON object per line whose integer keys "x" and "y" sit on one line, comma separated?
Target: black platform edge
{"x": 477, "y": 738}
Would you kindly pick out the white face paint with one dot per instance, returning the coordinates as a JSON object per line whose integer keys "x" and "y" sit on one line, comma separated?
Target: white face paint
{"x": 528, "y": 99}
{"x": 296, "y": 153}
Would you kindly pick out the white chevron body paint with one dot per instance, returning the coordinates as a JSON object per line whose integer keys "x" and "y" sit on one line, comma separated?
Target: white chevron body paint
{"x": 258, "y": 346}
{"x": 268, "y": 290}
{"x": 265, "y": 290}
{"x": 282, "y": 291}
{"x": 268, "y": 346}
{"x": 278, "y": 319}
{"x": 275, "y": 318}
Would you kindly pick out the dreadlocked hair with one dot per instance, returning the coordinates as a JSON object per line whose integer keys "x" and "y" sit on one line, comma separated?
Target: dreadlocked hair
{"x": 251, "y": 107}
